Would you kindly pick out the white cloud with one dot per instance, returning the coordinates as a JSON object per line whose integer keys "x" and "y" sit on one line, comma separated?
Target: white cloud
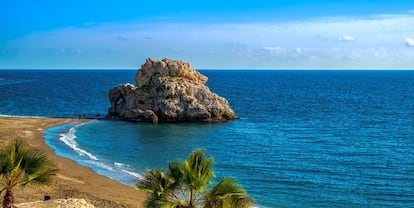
{"x": 307, "y": 43}
{"x": 346, "y": 38}
{"x": 409, "y": 42}
{"x": 273, "y": 49}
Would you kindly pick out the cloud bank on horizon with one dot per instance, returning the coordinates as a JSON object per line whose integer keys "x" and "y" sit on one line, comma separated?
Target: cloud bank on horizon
{"x": 360, "y": 41}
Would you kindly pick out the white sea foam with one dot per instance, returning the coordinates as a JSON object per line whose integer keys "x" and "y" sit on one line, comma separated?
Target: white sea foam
{"x": 5, "y": 115}
{"x": 122, "y": 167}
{"x": 120, "y": 164}
{"x": 69, "y": 139}
{"x": 101, "y": 165}
{"x": 134, "y": 174}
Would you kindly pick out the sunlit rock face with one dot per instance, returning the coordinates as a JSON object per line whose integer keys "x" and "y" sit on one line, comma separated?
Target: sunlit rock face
{"x": 168, "y": 91}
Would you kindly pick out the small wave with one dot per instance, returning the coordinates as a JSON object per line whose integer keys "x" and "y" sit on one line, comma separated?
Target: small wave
{"x": 115, "y": 170}
{"x": 120, "y": 164}
{"x": 122, "y": 167}
{"x": 69, "y": 139}
{"x": 100, "y": 164}
{"x": 6, "y": 115}
{"x": 134, "y": 174}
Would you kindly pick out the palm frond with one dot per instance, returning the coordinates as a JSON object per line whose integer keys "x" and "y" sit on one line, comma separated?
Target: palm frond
{"x": 22, "y": 165}
{"x": 176, "y": 169}
{"x": 166, "y": 200}
{"x": 199, "y": 170}
{"x": 183, "y": 185}
{"x": 170, "y": 204}
{"x": 38, "y": 167}
{"x": 227, "y": 194}
{"x": 155, "y": 181}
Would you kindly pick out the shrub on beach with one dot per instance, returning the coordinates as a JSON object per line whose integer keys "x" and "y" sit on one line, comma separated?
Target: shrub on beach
{"x": 22, "y": 165}
{"x": 184, "y": 185}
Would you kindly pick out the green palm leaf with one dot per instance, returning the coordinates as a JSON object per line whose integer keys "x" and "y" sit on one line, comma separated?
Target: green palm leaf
{"x": 227, "y": 194}
{"x": 38, "y": 167}
{"x": 198, "y": 170}
{"x": 21, "y": 165}
{"x": 183, "y": 186}
{"x": 156, "y": 182}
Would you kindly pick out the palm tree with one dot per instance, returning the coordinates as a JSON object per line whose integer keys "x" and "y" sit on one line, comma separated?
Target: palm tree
{"x": 21, "y": 165}
{"x": 184, "y": 185}
{"x": 156, "y": 183}
{"x": 227, "y": 194}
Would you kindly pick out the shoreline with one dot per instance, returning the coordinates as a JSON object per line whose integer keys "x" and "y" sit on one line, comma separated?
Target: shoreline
{"x": 73, "y": 180}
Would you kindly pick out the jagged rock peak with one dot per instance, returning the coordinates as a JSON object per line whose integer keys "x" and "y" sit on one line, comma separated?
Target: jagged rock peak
{"x": 168, "y": 91}
{"x": 167, "y": 67}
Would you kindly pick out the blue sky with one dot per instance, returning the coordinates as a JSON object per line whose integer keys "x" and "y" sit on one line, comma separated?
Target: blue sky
{"x": 208, "y": 34}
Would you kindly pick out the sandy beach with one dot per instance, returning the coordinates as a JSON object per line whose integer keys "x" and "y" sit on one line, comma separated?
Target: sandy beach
{"x": 72, "y": 180}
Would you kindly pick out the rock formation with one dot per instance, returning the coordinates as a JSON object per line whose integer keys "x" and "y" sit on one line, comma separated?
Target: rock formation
{"x": 168, "y": 91}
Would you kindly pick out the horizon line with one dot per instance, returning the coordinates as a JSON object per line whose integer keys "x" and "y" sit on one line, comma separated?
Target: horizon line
{"x": 230, "y": 69}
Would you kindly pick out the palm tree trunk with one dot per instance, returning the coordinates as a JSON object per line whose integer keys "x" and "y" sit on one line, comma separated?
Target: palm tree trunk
{"x": 190, "y": 205}
{"x": 8, "y": 199}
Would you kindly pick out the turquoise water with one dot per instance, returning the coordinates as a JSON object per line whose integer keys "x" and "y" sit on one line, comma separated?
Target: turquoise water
{"x": 305, "y": 138}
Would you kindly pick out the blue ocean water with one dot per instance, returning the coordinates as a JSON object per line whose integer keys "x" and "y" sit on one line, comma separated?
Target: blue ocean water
{"x": 305, "y": 138}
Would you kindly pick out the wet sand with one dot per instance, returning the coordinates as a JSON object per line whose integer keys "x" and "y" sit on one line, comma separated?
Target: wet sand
{"x": 72, "y": 180}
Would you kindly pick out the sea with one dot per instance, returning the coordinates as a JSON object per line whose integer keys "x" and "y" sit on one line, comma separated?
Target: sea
{"x": 305, "y": 138}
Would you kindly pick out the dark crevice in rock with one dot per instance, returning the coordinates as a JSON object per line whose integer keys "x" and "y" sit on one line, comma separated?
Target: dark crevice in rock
{"x": 168, "y": 91}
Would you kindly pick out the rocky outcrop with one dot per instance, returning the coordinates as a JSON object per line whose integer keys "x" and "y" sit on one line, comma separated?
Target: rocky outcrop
{"x": 67, "y": 203}
{"x": 168, "y": 91}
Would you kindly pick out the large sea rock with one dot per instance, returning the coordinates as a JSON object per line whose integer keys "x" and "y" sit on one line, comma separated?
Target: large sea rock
{"x": 168, "y": 91}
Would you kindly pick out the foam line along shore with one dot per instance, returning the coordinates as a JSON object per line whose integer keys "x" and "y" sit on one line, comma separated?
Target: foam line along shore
{"x": 72, "y": 180}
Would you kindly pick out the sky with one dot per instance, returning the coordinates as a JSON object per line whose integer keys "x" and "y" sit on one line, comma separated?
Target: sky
{"x": 263, "y": 34}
